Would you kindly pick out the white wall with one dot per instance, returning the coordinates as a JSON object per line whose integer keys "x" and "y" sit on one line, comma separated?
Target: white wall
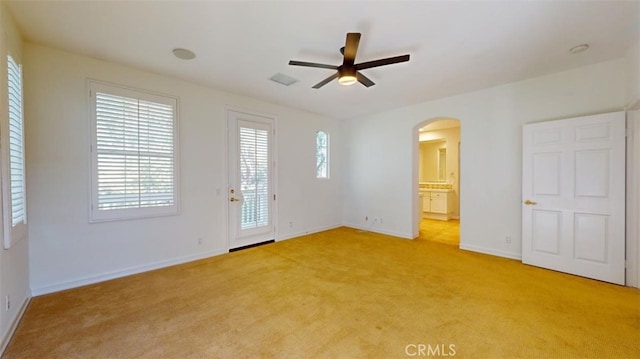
{"x": 381, "y": 178}
{"x": 633, "y": 161}
{"x": 14, "y": 266}
{"x": 633, "y": 198}
{"x": 66, "y": 251}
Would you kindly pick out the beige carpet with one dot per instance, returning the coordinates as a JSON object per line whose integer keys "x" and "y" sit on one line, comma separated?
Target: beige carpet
{"x": 447, "y": 232}
{"x": 337, "y": 294}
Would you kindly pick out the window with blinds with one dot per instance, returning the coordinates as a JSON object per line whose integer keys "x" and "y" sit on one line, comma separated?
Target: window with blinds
{"x": 254, "y": 177}
{"x": 16, "y": 142}
{"x": 134, "y": 154}
{"x": 15, "y": 193}
{"x": 322, "y": 155}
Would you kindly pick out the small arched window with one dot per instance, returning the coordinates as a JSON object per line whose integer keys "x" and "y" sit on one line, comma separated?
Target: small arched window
{"x": 322, "y": 155}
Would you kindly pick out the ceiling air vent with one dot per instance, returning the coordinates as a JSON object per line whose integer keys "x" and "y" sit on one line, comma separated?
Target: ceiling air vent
{"x": 283, "y": 79}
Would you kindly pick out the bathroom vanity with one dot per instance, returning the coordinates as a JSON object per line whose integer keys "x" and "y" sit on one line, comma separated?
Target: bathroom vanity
{"x": 437, "y": 203}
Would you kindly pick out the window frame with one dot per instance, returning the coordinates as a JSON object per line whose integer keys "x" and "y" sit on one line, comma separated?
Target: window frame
{"x": 327, "y": 155}
{"x": 95, "y": 214}
{"x": 12, "y": 232}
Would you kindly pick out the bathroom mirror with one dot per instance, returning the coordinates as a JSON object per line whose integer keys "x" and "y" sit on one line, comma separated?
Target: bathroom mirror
{"x": 433, "y": 161}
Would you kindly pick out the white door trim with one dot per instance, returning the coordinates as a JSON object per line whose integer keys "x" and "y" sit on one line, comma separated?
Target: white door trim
{"x": 633, "y": 198}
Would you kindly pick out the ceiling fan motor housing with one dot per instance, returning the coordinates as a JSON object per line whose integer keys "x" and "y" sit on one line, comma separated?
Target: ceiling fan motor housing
{"x": 345, "y": 70}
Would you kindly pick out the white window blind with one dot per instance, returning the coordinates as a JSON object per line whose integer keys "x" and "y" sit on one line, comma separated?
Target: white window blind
{"x": 16, "y": 142}
{"x": 254, "y": 177}
{"x": 134, "y": 155}
{"x": 322, "y": 154}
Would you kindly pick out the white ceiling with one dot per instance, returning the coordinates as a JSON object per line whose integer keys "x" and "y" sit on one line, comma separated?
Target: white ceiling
{"x": 455, "y": 47}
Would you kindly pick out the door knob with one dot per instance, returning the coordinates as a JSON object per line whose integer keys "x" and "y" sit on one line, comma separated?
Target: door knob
{"x": 234, "y": 199}
{"x": 530, "y": 202}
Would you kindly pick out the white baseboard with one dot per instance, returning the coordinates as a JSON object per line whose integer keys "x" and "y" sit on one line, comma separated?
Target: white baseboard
{"x": 491, "y": 251}
{"x": 122, "y": 273}
{"x": 381, "y": 231}
{"x": 300, "y": 234}
{"x": 6, "y": 338}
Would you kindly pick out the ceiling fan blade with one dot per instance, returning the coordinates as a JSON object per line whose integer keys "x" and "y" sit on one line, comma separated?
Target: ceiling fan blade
{"x": 351, "y": 47}
{"x": 326, "y": 81}
{"x": 382, "y": 62}
{"x": 364, "y": 80}
{"x": 312, "y": 64}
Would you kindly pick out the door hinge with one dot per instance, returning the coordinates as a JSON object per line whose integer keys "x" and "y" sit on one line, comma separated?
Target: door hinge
{"x": 274, "y": 197}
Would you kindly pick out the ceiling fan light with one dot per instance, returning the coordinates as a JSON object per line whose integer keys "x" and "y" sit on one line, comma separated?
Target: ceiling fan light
{"x": 347, "y": 80}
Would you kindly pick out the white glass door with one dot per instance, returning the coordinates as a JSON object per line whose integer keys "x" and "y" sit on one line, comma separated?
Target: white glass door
{"x": 250, "y": 192}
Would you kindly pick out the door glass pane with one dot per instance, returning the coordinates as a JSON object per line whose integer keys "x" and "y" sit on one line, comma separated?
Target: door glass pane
{"x": 254, "y": 177}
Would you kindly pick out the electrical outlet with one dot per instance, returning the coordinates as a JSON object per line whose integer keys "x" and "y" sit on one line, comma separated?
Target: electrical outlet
{"x": 375, "y": 219}
{"x": 366, "y": 218}
{"x": 199, "y": 241}
{"x": 381, "y": 220}
{"x": 507, "y": 239}
{"x": 290, "y": 224}
{"x": 7, "y": 303}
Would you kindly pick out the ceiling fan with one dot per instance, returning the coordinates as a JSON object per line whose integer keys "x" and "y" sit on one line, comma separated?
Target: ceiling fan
{"x": 349, "y": 72}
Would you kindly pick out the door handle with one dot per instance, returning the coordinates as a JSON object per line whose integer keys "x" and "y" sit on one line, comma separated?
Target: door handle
{"x": 234, "y": 199}
{"x": 530, "y": 202}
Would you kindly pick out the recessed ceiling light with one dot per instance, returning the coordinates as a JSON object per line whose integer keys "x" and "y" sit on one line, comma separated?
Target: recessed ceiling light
{"x": 578, "y": 49}
{"x": 184, "y": 54}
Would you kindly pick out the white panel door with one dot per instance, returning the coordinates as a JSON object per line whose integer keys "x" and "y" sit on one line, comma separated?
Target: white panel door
{"x": 251, "y": 179}
{"x": 573, "y": 191}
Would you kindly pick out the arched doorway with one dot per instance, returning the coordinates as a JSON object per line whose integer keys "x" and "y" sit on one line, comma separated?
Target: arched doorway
{"x": 436, "y": 180}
